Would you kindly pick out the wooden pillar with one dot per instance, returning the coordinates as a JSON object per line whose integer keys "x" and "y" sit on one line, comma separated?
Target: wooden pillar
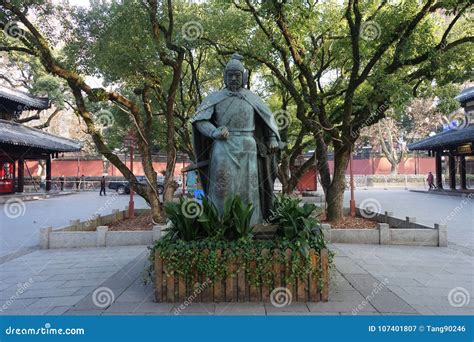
{"x": 462, "y": 171}
{"x": 48, "y": 173}
{"x": 452, "y": 172}
{"x": 21, "y": 175}
{"x": 439, "y": 170}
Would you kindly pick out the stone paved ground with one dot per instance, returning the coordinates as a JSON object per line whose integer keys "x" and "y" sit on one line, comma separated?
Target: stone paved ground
{"x": 428, "y": 208}
{"x": 367, "y": 279}
{"x": 20, "y": 222}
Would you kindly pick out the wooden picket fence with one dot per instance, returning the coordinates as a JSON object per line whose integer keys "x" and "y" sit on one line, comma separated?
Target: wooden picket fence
{"x": 172, "y": 288}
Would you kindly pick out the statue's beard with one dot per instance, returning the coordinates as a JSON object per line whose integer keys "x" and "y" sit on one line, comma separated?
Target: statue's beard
{"x": 234, "y": 86}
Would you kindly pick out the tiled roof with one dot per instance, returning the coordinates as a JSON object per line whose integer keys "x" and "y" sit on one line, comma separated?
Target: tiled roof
{"x": 16, "y": 134}
{"x": 31, "y": 102}
{"x": 448, "y": 139}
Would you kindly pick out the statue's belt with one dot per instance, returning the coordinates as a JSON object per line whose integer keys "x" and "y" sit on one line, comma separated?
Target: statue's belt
{"x": 237, "y": 132}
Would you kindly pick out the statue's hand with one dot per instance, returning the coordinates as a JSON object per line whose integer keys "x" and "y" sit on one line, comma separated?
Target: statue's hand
{"x": 220, "y": 133}
{"x": 273, "y": 145}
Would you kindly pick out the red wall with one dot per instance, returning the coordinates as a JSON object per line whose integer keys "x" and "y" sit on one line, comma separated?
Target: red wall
{"x": 69, "y": 168}
{"x": 379, "y": 166}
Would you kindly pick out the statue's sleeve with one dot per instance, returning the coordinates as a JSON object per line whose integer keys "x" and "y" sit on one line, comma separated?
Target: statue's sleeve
{"x": 206, "y": 128}
{"x": 203, "y": 123}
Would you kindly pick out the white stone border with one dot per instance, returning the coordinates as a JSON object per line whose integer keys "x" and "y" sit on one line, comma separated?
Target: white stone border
{"x": 384, "y": 235}
{"x": 95, "y": 233}
{"x": 101, "y": 237}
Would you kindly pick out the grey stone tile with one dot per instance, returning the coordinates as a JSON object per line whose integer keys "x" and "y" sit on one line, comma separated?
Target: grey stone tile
{"x": 288, "y": 309}
{"x": 83, "y": 313}
{"x": 348, "y": 307}
{"x": 41, "y": 293}
{"x": 57, "y": 310}
{"x": 81, "y": 283}
{"x": 206, "y": 308}
{"x": 158, "y": 308}
{"x": 240, "y": 309}
{"x": 56, "y": 301}
{"x": 345, "y": 296}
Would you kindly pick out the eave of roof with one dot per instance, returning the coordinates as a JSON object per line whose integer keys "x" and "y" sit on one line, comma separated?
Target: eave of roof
{"x": 13, "y": 133}
{"x": 448, "y": 139}
{"x": 25, "y": 99}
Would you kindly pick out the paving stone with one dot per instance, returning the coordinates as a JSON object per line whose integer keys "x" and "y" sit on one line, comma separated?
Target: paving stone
{"x": 240, "y": 309}
{"x": 158, "y": 308}
{"x": 82, "y": 283}
{"x": 345, "y": 296}
{"x": 56, "y": 301}
{"x": 83, "y": 313}
{"x": 288, "y": 309}
{"x": 348, "y": 307}
{"x": 347, "y": 266}
{"x": 57, "y": 310}
{"x": 41, "y": 293}
{"x": 25, "y": 312}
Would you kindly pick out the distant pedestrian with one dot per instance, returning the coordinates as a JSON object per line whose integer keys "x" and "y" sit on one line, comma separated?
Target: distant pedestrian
{"x": 77, "y": 183}
{"x": 82, "y": 182}
{"x": 61, "y": 181}
{"x": 102, "y": 186}
{"x": 430, "y": 180}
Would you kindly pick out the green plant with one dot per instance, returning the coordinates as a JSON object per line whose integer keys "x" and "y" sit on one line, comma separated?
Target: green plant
{"x": 188, "y": 258}
{"x": 296, "y": 223}
{"x": 192, "y": 220}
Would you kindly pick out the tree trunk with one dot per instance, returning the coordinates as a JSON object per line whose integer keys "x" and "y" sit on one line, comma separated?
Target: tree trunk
{"x": 151, "y": 179}
{"x": 284, "y": 175}
{"x": 335, "y": 192}
{"x": 394, "y": 169}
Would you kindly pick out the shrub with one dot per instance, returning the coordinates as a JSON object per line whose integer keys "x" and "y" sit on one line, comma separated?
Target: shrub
{"x": 192, "y": 220}
{"x": 296, "y": 223}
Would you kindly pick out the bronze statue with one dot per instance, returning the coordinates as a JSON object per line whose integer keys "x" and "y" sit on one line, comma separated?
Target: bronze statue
{"x": 236, "y": 141}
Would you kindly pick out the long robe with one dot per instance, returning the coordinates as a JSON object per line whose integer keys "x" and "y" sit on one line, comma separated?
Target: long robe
{"x": 264, "y": 128}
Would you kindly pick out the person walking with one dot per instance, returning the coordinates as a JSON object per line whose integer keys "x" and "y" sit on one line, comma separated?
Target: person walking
{"x": 82, "y": 182}
{"x": 61, "y": 181}
{"x": 102, "y": 186}
{"x": 430, "y": 180}
{"x": 77, "y": 183}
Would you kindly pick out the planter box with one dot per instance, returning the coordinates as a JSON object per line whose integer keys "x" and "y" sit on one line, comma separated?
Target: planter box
{"x": 172, "y": 288}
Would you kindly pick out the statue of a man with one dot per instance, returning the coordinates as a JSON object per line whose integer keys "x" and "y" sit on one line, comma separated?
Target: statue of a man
{"x": 236, "y": 139}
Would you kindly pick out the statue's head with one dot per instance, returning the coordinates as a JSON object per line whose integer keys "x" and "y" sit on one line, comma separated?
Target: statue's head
{"x": 235, "y": 75}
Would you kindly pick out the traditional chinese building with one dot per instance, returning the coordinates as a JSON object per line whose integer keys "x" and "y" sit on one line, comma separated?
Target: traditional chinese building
{"x": 455, "y": 144}
{"x": 19, "y": 143}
